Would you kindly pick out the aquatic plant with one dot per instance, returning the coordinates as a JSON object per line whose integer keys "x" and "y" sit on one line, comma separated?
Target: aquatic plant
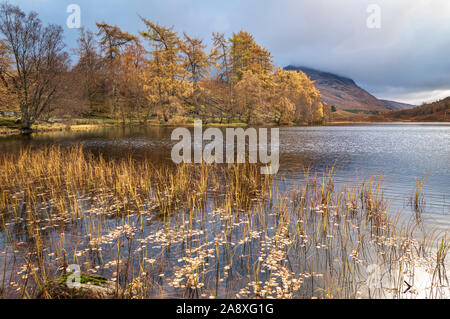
{"x": 205, "y": 231}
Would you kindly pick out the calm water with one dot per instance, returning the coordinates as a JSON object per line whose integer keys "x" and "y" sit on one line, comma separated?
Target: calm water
{"x": 399, "y": 152}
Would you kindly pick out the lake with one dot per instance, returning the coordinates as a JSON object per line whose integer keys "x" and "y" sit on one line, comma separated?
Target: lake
{"x": 399, "y": 152}
{"x": 296, "y": 242}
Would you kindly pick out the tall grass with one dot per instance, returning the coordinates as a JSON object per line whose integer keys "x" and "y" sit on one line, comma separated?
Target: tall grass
{"x": 202, "y": 231}
{"x": 417, "y": 199}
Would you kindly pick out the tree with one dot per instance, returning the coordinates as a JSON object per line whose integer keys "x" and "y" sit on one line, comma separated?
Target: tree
{"x": 197, "y": 64}
{"x": 247, "y": 55}
{"x": 6, "y": 97}
{"x": 286, "y": 87}
{"x": 224, "y": 86}
{"x": 333, "y": 108}
{"x": 251, "y": 96}
{"x": 112, "y": 42}
{"x": 113, "y": 39}
{"x": 39, "y": 62}
{"x": 244, "y": 67}
{"x": 130, "y": 80}
{"x": 221, "y": 53}
{"x": 300, "y": 92}
{"x": 165, "y": 63}
{"x": 89, "y": 67}
{"x": 309, "y": 108}
{"x": 284, "y": 110}
{"x": 318, "y": 113}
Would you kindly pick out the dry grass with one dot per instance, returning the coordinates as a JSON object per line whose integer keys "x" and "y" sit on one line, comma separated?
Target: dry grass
{"x": 417, "y": 198}
{"x": 201, "y": 231}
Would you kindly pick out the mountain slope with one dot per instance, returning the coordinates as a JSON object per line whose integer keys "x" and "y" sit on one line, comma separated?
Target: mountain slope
{"x": 437, "y": 111}
{"x": 392, "y": 105}
{"x": 342, "y": 92}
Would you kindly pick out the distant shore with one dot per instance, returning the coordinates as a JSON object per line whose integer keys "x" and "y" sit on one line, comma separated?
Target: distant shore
{"x": 9, "y": 126}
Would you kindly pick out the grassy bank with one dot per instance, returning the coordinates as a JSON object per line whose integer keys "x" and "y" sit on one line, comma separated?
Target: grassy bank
{"x": 11, "y": 126}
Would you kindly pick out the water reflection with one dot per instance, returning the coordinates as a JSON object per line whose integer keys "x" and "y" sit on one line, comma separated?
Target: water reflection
{"x": 398, "y": 152}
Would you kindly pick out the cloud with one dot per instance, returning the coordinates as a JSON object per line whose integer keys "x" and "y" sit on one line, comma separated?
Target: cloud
{"x": 407, "y": 58}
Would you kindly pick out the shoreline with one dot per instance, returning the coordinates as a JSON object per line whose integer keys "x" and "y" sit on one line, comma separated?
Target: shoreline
{"x": 109, "y": 123}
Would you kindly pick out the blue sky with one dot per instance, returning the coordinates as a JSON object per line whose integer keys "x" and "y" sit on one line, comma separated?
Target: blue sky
{"x": 406, "y": 59}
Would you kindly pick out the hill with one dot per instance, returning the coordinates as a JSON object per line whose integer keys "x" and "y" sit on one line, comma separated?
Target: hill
{"x": 392, "y": 105}
{"x": 343, "y": 92}
{"x": 437, "y": 112}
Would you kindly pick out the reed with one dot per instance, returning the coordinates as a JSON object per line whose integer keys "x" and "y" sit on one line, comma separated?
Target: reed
{"x": 417, "y": 199}
{"x": 203, "y": 231}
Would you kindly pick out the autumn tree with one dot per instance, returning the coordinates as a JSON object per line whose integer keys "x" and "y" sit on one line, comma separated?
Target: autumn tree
{"x": 221, "y": 52}
{"x": 112, "y": 42}
{"x": 284, "y": 110}
{"x": 318, "y": 112}
{"x": 251, "y": 96}
{"x": 294, "y": 97}
{"x": 7, "y": 99}
{"x": 197, "y": 63}
{"x": 241, "y": 64}
{"x": 223, "y": 83}
{"x": 150, "y": 90}
{"x": 166, "y": 65}
{"x": 39, "y": 62}
{"x": 247, "y": 55}
{"x": 132, "y": 97}
{"x": 286, "y": 92}
{"x": 309, "y": 108}
{"x": 250, "y": 66}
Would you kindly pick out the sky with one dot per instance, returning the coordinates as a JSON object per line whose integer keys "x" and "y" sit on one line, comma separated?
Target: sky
{"x": 406, "y": 59}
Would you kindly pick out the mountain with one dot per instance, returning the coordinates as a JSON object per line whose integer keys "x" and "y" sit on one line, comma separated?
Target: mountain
{"x": 342, "y": 92}
{"x": 437, "y": 111}
{"x": 392, "y": 105}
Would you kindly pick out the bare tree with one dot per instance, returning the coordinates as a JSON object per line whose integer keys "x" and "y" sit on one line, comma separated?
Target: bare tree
{"x": 89, "y": 68}
{"x": 38, "y": 61}
{"x": 221, "y": 52}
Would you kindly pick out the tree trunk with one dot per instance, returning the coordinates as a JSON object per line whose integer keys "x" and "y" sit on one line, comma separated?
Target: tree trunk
{"x": 25, "y": 128}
